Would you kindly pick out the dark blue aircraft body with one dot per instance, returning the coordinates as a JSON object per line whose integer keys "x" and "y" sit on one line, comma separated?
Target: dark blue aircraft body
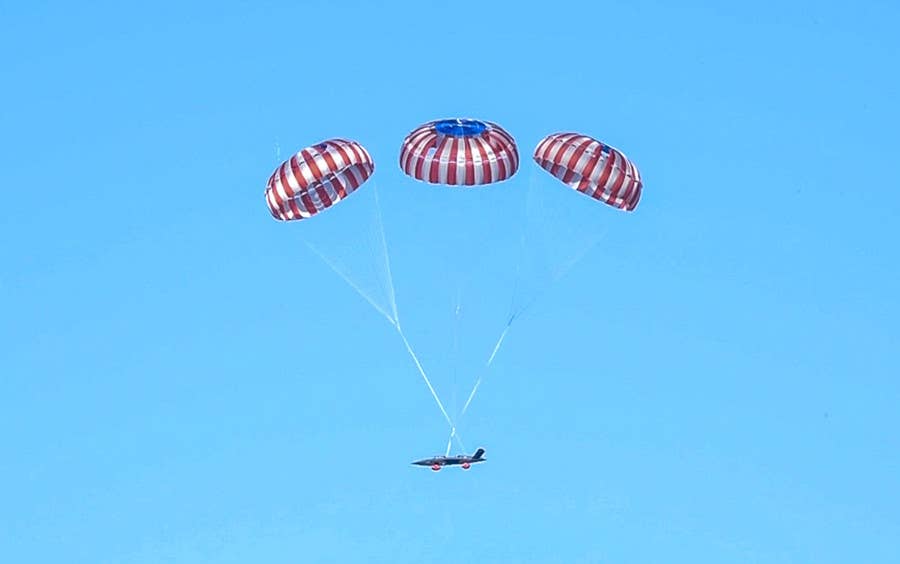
{"x": 463, "y": 460}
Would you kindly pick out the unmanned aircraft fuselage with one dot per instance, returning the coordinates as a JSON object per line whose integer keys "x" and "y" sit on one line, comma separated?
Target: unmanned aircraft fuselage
{"x": 464, "y": 460}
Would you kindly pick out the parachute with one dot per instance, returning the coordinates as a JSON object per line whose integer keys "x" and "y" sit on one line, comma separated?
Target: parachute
{"x": 317, "y": 178}
{"x": 591, "y": 167}
{"x": 459, "y": 152}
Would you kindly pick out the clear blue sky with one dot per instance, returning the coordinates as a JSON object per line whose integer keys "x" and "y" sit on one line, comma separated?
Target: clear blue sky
{"x": 183, "y": 381}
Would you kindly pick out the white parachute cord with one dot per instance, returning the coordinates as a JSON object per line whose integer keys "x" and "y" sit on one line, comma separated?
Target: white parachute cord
{"x": 522, "y": 247}
{"x": 454, "y": 435}
{"x": 499, "y": 342}
{"x": 387, "y": 256}
{"x": 566, "y": 267}
{"x": 515, "y": 313}
{"x": 562, "y": 272}
{"x": 487, "y": 365}
{"x": 434, "y": 394}
{"x": 555, "y": 273}
{"x": 392, "y": 319}
{"x": 454, "y": 362}
{"x": 351, "y": 283}
{"x": 395, "y": 319}
{"x": 396, "y": 322}
{"x": 471, "y": 395}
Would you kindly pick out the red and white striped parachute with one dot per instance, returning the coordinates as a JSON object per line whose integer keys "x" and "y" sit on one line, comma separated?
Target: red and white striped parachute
{"x": 317, "y": 178}
{"x": 459, "y": 152}
{"x": 591, "y": 167}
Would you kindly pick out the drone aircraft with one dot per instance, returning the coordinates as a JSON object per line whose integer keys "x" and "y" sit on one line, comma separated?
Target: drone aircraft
{"x": 463, "y": 460}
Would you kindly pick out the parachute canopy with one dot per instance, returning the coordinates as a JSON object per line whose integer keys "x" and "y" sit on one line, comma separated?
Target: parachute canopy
{"x": 317, "y": 178}
{"x": 592, "y": 168}
{"x": 459, "y": 152}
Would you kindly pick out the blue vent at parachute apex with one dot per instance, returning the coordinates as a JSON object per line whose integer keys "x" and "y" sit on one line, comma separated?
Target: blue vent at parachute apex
{"x": 460, "y": 127}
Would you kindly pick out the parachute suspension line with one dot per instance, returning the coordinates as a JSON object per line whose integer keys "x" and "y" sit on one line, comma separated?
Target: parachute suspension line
{"x": 415, "y": 358}
{"x": 434, "y": 394}
{"x": 558, "y": 275}
{"x": 487, "y": 365}
{"x": 513, "y": 312}
{"x": 392, "y": 319}
{"x": 516, "y": 312}
{"x": 515, "y": 293}
{"x": 555, "y": 273}
{"x": 387, "y": 256}
{"x": 567, "y": 266}
{"x": 351, "y": 283}
{"x": 391, "y": 316}
{"x": 454, "y": 435}
{"x": 522, "y": 238}
{"x": 454, "y": 362}
{"x": 471, "y": 395}
{"x": 396, "y": 321}
{"x": 499, "y": 342}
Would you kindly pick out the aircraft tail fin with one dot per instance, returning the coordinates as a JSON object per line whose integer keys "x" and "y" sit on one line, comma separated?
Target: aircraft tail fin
{"x": 478, "y": 454}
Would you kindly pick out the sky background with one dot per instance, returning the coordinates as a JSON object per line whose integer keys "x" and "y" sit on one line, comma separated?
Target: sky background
{"x": 183, "y": 381}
